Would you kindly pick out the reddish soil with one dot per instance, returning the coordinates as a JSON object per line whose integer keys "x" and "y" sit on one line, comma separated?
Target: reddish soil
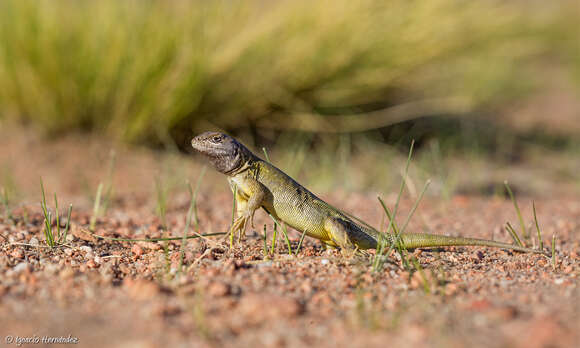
{"x": 108, "y": 293}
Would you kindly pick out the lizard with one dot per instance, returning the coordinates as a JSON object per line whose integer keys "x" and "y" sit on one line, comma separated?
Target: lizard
{"x": 257, "y": 183}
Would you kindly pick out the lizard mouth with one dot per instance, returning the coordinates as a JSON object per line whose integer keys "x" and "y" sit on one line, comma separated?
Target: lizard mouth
{"x": 201, "y": 146}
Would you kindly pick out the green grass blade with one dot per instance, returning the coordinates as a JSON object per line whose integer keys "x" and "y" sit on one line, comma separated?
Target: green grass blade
{"x": 285, "y": 233}
{"x": 43, "y": 201}
{"x": 518, "y": 212}
{"x": 266, "y": 154}
{"x": 48, "y": 230}
{"x": 397, "y": 242}
{"x": 388, "y": 214}
{"x": 273, "y": 247}
{"x": 398, "y": 246}
{"x": 300, "y": 242}
{"x": 57, "y": 218}
{"x": 540, "y": 241}
{"x": 274, "y": 237}
{"x": 48, "y": 235}
{"x": 514, "y": 234}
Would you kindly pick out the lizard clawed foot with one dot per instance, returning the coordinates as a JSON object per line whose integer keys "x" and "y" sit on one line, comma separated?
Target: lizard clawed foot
{"x": 240, "y": 225}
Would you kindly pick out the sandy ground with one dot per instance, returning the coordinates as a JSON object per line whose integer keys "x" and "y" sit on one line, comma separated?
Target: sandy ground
{"x": 107, "y": 293}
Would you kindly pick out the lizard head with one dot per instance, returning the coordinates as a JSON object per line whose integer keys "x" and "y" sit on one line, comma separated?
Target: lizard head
{"x": 225, "y": 153}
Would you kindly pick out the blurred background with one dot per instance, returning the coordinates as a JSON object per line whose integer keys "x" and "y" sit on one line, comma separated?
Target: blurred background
{"x": 336, "y": 90}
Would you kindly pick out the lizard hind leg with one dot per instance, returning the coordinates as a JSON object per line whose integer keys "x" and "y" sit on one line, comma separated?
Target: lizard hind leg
{"x": 338, "y": 232}
{"x": 349, "y": 236}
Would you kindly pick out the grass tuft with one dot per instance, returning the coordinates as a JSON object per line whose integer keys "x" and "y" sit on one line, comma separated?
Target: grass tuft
{"x": 48, "y": 234}
{"x": 348, "y": 53}
{"x": 383, "y": 237}
{"x": 53, "y": 236}
{"x": 384, "y": 240}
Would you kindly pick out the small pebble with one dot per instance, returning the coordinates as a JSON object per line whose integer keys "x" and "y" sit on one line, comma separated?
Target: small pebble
{"x": 22, "y": 266}
{"x": 17, "y": 253}
{"x": 137, "y": 250}
{"x": 92, "y": 264}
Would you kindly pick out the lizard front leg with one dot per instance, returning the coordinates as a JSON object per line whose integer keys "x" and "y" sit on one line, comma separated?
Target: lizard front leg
{"x": 249, "y": 198}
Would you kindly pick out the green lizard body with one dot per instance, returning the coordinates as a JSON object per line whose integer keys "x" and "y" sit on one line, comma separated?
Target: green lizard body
{"x": 259, "y": 184}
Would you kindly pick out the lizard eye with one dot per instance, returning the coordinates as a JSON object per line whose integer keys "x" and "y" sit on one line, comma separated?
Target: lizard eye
{"x": 217, "y": 139}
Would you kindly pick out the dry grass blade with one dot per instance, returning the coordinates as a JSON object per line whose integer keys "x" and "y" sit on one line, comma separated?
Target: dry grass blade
{"x": 134, "y": 240}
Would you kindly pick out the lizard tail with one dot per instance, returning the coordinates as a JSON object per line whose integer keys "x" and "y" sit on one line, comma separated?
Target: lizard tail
{"x": 424, "y": 240}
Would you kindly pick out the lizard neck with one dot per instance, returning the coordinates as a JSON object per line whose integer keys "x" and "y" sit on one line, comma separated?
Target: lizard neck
{"x": 247, "y": 161}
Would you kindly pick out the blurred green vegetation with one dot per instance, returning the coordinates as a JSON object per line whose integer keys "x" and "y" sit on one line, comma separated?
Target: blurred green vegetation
{"x": 157, "y": 71}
